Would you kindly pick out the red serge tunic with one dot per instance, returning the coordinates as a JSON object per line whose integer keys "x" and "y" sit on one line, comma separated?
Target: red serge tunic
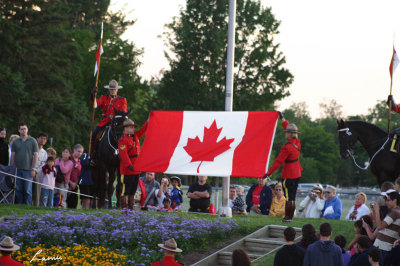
{"x": 129, "y": 149}
{"x": 289, "y": 157}
{"x": 108, "y": 104}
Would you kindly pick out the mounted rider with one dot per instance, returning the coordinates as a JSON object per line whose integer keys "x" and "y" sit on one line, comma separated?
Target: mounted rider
{"x": 109, "y": 104}
{"x": 291, "y": 172}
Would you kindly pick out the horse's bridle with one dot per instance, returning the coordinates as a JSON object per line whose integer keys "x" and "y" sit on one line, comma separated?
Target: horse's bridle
{"x": 348, "y": 132}
{"x": 114, "y": 137}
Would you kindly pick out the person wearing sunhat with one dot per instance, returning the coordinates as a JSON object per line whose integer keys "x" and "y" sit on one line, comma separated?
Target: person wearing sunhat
{"x": 7, "y": 247}
{"x": 291, "y": 172}
{"x": 109, "y": 104}
{"x": 170, "y": 248}
{"x": 129, "y": 149}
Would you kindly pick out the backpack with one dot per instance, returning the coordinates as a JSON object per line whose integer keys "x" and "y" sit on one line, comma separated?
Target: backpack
{"x": 60, "y": 177}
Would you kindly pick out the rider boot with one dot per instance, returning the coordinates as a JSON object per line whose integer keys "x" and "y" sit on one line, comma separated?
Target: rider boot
{"x": 92, "y": 152}
{"x": 124, "y": 202}
{"x": 290, "y": 207}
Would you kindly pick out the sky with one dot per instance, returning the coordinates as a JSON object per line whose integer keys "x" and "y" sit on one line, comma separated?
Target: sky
{"x": 337, "y": 50}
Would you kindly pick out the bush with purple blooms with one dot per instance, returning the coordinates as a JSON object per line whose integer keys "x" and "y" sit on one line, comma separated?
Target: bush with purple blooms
{"x": 135, "y": 234}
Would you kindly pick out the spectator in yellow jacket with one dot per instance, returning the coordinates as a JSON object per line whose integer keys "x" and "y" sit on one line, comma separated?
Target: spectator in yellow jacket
{"x": 278, "y": 202}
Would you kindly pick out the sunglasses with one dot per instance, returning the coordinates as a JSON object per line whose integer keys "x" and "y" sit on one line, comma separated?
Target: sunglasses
{"x": 327, "y": 192}
{"x": 278, "y": 189}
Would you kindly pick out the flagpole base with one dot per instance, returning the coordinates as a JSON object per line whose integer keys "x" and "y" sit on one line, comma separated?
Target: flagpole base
{"x": 225, "y": 212}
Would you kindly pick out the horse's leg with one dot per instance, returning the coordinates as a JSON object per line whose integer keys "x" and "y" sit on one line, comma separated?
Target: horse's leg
{"x": 118, "y": 191}
{"x": 102, "y": 187}
{"x": 110, "y": 186}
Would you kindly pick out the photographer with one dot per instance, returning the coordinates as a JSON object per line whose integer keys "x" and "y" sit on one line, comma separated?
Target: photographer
{"x": 163, "y": 192}
{"x": 313, "y": 204}
{"x": 388, "y": 228}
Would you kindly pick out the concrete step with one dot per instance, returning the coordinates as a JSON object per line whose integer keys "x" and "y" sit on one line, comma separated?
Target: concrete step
{"x": 257, "y": 245}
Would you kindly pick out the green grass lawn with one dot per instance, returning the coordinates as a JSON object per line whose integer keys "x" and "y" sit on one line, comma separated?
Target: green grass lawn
{"x": 247, "y": 224}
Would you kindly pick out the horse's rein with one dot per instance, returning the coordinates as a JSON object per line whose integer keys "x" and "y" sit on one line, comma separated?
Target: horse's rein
{"x": 348, "y": 132}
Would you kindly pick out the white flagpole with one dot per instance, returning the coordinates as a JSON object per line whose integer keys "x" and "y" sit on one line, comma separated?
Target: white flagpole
{"x": 225, "y": 210}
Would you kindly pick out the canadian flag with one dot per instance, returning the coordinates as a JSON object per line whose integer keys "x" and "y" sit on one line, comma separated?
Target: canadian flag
{"x": 393, "y": 63}
{"x": 99, "y": 52}
{"x": 208, "y": 143}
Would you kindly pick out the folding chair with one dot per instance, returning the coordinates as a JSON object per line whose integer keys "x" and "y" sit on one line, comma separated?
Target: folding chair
{"x": 7, "y": 184}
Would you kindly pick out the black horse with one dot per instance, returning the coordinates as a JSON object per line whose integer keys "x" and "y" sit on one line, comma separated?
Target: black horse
{"x": 385, "y": 165}
{"x": 108, "y": 161}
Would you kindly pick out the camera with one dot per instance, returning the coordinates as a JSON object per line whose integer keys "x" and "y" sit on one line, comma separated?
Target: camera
{"x": 313, "y": 193}
{"x": 165, "y": 179}
{"x": 372, "y": 204}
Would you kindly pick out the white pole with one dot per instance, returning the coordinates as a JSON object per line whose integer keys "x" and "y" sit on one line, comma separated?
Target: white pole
{"x": 225, "y": 210}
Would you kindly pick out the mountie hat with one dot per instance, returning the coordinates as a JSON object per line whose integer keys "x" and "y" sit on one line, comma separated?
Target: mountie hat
{"x": 113, "y": 85}
{"x": 291, "y": 128}
{"x": 129, "y": 122}
{"x": 170, "y": 245}
{"x": 7, "y": 244}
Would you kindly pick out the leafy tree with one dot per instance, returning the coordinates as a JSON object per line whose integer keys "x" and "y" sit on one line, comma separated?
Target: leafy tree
{"x": 46, "y": 65}
{"x": 197, "y": 41}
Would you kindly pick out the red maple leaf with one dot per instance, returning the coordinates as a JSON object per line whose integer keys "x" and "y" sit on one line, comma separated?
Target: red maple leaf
{"x": 209, "y": 148}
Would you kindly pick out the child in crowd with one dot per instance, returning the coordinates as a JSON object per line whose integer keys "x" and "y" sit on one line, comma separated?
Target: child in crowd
{"x": 48, "y": 180}
{"x": 340, "y": 240}
{"x": 359, "y": 208}
{"x": 167, "y": 206}
{"x": 176, "y": 193}
{"x": 360, "y": 231}
{"x": 163, "y": 192}
{"x": 238, "y": 204}
{"x": 51, "y": 152}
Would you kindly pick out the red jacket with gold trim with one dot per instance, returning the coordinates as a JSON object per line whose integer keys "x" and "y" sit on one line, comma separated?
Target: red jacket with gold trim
{"x": 129, "y": 149}
{"x": 107, "y": 105}
{"x": 289, "y": 157}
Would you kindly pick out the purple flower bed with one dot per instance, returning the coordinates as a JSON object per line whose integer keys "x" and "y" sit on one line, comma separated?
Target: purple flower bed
{"x": 135, "y": 234}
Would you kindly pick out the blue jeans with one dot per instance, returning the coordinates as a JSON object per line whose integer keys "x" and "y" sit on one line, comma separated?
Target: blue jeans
{"x": 24, "y": 187}
{"x": 46, "y": 198}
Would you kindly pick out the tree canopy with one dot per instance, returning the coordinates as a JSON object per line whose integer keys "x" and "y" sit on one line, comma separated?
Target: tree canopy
{"x": 47, "y": 60}
{"x": 197, "y": 42}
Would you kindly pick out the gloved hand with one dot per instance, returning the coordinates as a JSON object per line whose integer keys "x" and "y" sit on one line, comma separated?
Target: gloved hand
{"x": 95, "y": 90}
{"x": 390, "y": 99}
{"x": 130, "y": 167}
{"x": 280, "y": 115}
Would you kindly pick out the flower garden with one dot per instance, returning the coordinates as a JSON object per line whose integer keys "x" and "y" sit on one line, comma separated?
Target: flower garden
{"x": 108, "y": 238}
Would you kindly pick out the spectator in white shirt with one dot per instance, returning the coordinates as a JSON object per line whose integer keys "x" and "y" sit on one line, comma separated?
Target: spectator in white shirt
{"x": 313, "y": 204}
{"x": 163, "y": 192}
{"x": 359, "y": 209}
